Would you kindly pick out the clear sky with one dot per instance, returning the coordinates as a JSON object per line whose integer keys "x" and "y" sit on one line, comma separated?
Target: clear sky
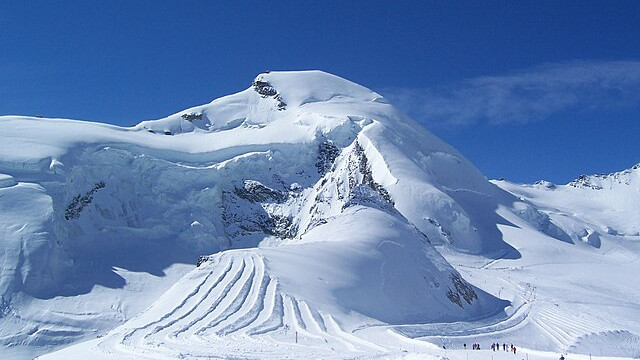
{"x": 526, "y": 90}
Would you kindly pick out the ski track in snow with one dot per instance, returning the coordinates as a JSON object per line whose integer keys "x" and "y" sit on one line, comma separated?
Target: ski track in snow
{"x": 565, "y": 329}
{"x": 236, "y": 301}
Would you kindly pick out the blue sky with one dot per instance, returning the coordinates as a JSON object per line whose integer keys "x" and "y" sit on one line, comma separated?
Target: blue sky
{"x": 526, "y": 90}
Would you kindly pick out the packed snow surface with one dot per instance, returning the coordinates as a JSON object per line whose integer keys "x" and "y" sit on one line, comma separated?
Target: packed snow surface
{"x": 304, "y": 217}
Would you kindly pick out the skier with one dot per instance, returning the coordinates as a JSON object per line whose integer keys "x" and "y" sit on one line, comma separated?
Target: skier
{"x": 514, "y": 350}
{"x": 465, "y": 346}
{"x": 493, "y": 347}
{"x": 561, "y": 357}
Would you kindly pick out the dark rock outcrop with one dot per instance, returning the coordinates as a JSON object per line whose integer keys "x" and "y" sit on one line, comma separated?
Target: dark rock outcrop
{"x": 461, "y": 291}
{"x": 267, "y": 90}
{"x": 79, "y": 202}
{"x": 327, "y": 154}
{"x": 255, "y": 191}
{"x": 191, "y": 116}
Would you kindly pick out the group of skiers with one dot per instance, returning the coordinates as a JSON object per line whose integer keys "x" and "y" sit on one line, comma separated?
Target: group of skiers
{"x": 496, "y": 347}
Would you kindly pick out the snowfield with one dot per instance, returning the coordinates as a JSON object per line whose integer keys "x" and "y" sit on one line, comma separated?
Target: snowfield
{"x": 304, "y": 217}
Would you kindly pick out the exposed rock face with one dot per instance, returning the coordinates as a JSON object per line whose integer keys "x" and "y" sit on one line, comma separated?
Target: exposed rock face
{"x": 243, "y": 218}
{"x": 264, "y": 88}
{"x": 282, "y": 226}
{"x": 201, "y": 260}
{"x": 254, "y": 209}
{"x": 349, "y": 182}
{"x": 367, "y": 177}
{"x": 255, "y": 191}
{"x": 191, "y": 116}
{"x": 584, "y": 181}
{"x": 598, "y": 181}
{"x": 461, "y": 291}
{"x": 327, "y": 154}
{"x": 78, "y": 203}
{"x": 267, "y": 90}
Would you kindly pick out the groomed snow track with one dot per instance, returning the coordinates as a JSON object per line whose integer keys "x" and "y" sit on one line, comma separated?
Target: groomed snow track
{"x": 233, "y": 300}
{"x": 565, "y": 330}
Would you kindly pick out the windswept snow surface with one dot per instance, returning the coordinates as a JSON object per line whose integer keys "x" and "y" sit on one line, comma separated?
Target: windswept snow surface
{"x": 332, "y": 226}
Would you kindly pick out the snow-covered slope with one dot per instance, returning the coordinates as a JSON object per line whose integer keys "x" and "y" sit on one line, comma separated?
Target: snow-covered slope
{"x": 588, "y": 207}
{"x": 326, "y": 212}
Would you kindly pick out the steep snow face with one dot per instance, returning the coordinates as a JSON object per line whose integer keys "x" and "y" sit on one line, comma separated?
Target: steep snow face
{"x": 24, "y": 226}
{"x": 586, "y": 208}
{"x": 95, "y": 211}
{"x": 412, "y": 282}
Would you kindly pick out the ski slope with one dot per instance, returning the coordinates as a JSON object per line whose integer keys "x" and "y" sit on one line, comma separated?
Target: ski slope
{"x": 234, "y": 301}
{"x": 324, "y": 224}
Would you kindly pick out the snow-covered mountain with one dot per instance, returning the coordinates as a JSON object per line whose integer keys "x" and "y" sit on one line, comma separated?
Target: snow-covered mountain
{"x": 588, "y": 206}
{"x": 304, "y": 217}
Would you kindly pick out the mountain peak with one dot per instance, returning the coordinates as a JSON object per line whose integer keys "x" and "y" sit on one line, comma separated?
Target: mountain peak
{"x": 278, "y": 96}
{"x": 304, "y": 87}
{"x": 600, "y": 181}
